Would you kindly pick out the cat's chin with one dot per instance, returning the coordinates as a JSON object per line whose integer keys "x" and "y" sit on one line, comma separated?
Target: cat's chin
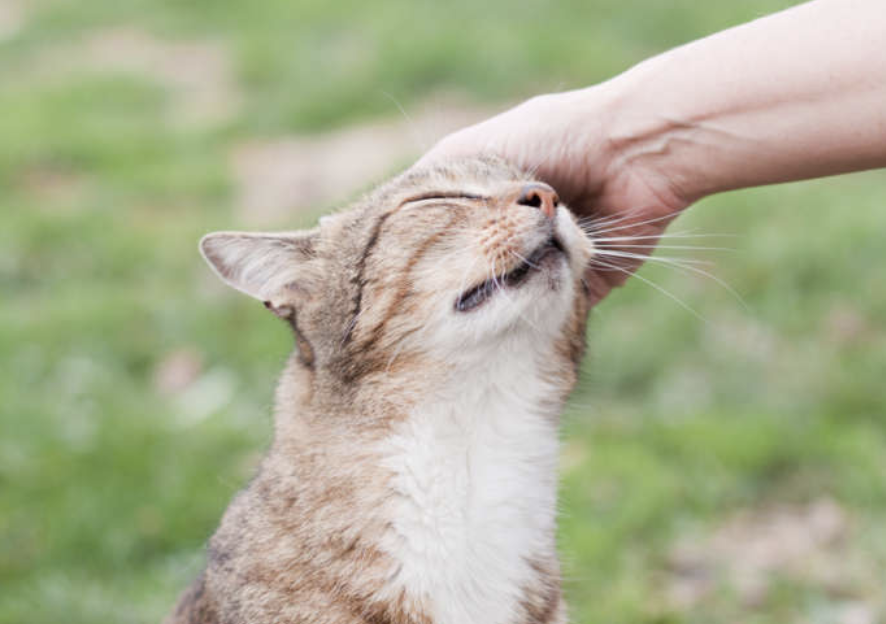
{"x": 544, "y": 260}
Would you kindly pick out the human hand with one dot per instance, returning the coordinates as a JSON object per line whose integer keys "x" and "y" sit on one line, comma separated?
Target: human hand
{"x": 567, "y": 140}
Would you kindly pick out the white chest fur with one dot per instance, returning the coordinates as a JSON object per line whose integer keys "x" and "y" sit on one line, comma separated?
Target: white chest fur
{"x": 475, "y": 494}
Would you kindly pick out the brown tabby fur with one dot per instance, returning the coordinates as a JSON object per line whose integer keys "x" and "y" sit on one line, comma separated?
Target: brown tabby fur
{"x": 300, "y": 544}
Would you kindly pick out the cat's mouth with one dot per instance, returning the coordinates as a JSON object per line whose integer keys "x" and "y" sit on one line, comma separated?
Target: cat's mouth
{"x": 516, "y": 277}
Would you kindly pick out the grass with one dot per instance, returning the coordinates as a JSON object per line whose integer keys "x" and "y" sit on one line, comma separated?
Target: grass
{"x": 109, "y": 488}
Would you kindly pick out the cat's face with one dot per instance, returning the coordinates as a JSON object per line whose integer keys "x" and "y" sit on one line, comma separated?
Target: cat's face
{"x": 446, "y": 264}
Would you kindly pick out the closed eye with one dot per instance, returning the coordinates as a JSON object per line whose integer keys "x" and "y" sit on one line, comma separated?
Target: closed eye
{"x": 442, "y": 195}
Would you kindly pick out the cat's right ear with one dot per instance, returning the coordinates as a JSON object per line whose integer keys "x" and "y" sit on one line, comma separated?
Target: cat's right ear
{"x": 272, "y": 267}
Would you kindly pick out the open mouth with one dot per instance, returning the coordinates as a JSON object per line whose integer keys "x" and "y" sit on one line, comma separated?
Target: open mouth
{"x": 479, "y": 294}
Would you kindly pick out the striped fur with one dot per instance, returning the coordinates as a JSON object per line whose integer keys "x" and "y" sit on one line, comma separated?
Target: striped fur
{"x": 412, "y": 476}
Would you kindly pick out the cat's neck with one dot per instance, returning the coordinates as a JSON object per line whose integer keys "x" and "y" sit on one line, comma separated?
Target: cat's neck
{"x": 474, "y": 482}
{"x": 457, "y": 489}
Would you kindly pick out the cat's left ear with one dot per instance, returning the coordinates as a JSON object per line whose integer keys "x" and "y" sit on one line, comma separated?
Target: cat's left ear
{"x": 272, "y": 267}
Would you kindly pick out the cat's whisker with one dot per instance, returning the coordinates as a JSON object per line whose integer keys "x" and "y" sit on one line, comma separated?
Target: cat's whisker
{"x": 591, "y": 218}
{"x": 634, "y": 224}
{"x": 534, "y": 266}
{"x": 491, "y": 271}
{"x": 501, "y": 289}
{"x": 414, "y": 129}
{"x": 604, "y": 219}
{"x": 677, "y": 247}
{"x": 686, "y": 265}
{"x": 522, "y": 259}
{"x": 664, "y": 235}
{"x": 621, "y": 215}
{"x": 466, "y": 273}
{"x": 643, "y": 257}
{"x": 463, "y": 284}
{"x": 614, "y": 253}
{"x": 660, "y": 289}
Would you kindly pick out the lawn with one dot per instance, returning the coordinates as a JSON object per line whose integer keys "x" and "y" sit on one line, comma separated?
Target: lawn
{"x": 721, "y": 466}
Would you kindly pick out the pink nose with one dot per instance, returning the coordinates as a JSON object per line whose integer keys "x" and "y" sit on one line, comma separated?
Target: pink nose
{"x": 540, "y": 196}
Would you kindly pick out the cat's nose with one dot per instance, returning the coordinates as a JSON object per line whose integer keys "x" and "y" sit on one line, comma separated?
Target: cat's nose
{"x": 539, "y": 195}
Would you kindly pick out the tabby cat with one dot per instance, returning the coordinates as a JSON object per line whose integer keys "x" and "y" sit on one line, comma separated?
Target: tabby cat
{"x": 439, "y": 324}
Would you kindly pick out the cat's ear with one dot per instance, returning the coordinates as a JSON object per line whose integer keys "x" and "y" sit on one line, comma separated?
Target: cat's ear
{"x": 272, "y": 267}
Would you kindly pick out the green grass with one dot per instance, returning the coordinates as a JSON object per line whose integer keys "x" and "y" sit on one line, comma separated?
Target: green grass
{"x": 109, "y": 489}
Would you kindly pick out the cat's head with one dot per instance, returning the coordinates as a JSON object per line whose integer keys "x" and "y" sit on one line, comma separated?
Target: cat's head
{"x": 446, "y": 265}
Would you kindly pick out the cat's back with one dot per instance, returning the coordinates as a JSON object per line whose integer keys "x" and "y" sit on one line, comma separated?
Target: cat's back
{"x": 287, "y": 550}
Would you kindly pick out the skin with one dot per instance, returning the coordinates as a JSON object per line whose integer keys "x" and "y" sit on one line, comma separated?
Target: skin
{"x": 795, "y": 95}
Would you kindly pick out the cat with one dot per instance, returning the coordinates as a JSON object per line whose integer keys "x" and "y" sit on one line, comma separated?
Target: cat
{"x": 439, "y": 325}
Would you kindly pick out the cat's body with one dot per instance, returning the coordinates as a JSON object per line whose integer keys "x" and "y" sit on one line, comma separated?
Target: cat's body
{"x": 412, "y": 478}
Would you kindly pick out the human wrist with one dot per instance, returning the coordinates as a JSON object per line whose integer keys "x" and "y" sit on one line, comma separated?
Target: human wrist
{"x": 631, "y": 136}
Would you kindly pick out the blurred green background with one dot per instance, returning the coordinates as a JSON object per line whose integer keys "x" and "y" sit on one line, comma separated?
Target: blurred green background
{"x": 731, "y": 469}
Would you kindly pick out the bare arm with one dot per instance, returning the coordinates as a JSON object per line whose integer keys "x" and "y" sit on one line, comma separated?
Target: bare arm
{"x": 798, "y": 94}
{"x": 795, "y": 95}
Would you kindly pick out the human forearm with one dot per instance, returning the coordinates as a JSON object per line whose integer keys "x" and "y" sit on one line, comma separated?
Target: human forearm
{"x": 795, "y": 95}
